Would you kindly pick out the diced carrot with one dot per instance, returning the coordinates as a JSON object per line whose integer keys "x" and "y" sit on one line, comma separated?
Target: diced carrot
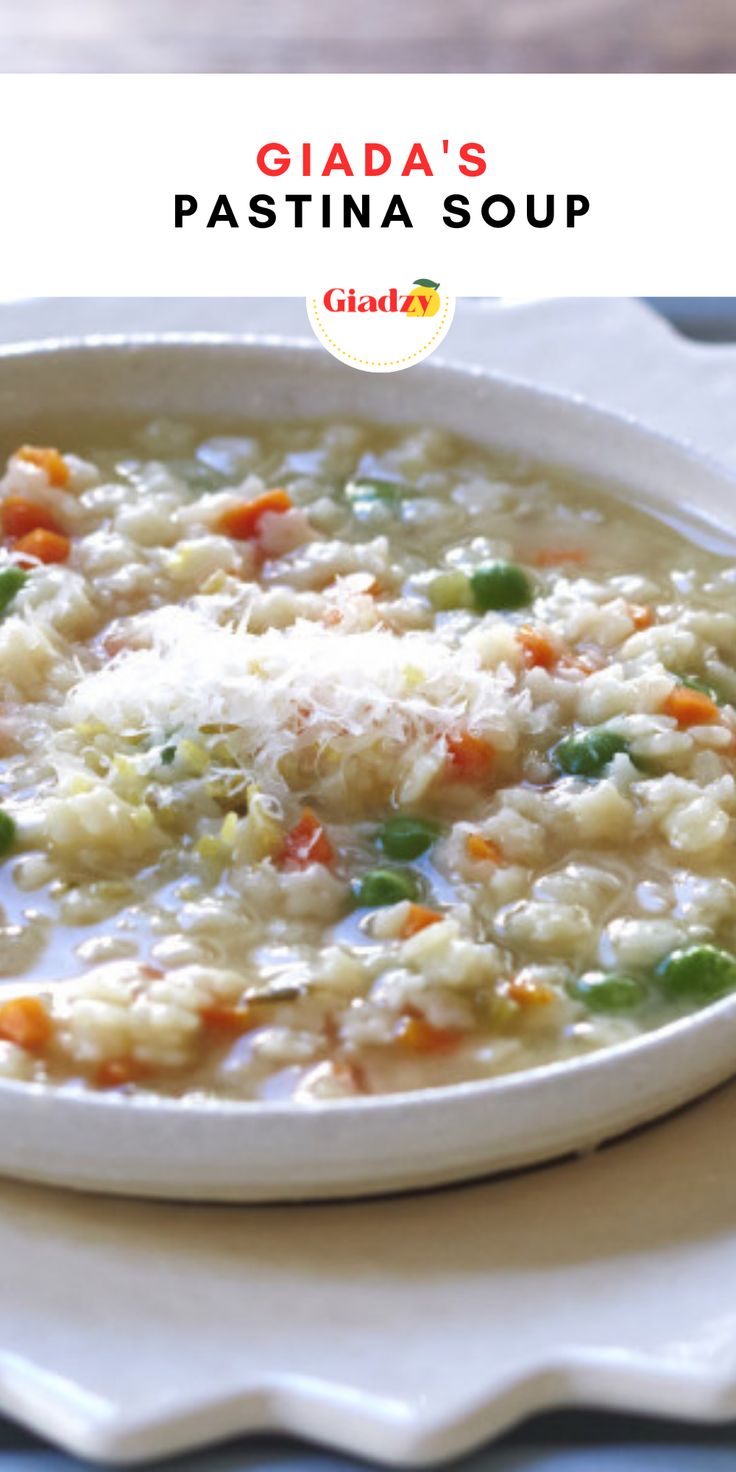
{"x": 690, "y": 707}
{"x": 25, "y": 1022}
{"x": 469, "y": 757}
{"x": 418, "y": 1035}
{"x": 118, "y": 1072}
{"x": 230, "y": 1021}
{"x": 558, "y": 556}
{"x": 48, "y": 459}
{"x": 21, "y": 516}
{"x": 529, "y": 994}
{"x": 241, "y": 522}
{"x": 479, "y": 848}
{"x": 641, "y": 615}
{"x": 537, "y": 647}
{"x": 307, "y": 843}
{"x": 42, "y": 546}
{"x": 418, "y": 917}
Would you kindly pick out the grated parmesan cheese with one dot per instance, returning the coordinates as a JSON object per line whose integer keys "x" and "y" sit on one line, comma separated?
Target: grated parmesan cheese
{"x": 310, "y": 708}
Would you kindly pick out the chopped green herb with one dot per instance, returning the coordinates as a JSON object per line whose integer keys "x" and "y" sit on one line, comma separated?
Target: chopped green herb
{"x": 364, "y": 493}
{"x": 7, "y": 833}
{"x": 450, "y": 590}
{"x": 197, "y": 478}
{"x": 694, "y": 682}
{"x": 168, "y": 754}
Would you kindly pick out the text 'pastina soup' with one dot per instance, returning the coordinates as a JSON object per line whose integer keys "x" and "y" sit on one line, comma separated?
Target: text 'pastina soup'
{"x": 340, "y": 760}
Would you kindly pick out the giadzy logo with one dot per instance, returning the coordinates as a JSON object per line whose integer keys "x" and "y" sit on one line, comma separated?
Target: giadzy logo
{"x": 365, "y": 327}
{"x": 422, "y": 301}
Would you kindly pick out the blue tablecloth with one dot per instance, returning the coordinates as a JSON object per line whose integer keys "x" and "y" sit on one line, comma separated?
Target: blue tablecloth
{"x": 563, "y": 1442}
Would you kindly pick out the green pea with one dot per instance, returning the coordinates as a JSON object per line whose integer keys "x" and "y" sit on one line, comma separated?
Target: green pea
{"x": 588, "y": 753}
{"x": 608, "y": 993}
{"x": 7, "y": 833}
{"x": 407, "y": 838}
{"x": 450, "y": 590}
{"x": 12, "y": 579}
{"x": 386, "y": 887}
{"x": 698, "y": 974}
{"x": 500, "y": 585}
{"x": 167, "y": 755}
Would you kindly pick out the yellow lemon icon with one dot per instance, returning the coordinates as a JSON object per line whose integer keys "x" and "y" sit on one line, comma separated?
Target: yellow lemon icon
{"x": 424, "y": 299}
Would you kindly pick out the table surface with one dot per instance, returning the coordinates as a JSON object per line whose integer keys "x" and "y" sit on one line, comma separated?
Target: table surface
{"x": 560, "y": 1442}
{"x": 383, "y": 36}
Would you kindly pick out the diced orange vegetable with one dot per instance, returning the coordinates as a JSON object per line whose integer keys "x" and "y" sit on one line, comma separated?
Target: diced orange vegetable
{"x": 690, "y": 707}
{"x": 558, "y": 556}
{"x": 229, "y": 1021}
{"x": 307, "y": 843}
{"x": 529, "y": 994}
{"x": 469, "y": 757}
{"x": 641, "y": 615}
{"x": 479, "y": 848}
{"x": 241, "y": 522}
{"x": 118, "y": 1072}
{"x": 418, "y": 1035}
{"x": 21, "y": 516}
{"x": 42, "y": 546}
{"x": 46, "y": 459}
{"x": 418, "y": 917}
{"x": 25, "y": 1022}
{"x": 537, "y": 647}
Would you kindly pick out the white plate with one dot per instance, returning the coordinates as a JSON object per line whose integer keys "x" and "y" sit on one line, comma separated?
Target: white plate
{"x": 231, "y": 1151}
{"x": 404, "y": 1329}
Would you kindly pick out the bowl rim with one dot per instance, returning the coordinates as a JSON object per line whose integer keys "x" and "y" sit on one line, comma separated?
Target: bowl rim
{"x": 466, "y": 1091}
{"x": 445, "y": 1095}
{"x": 439, "y": 365}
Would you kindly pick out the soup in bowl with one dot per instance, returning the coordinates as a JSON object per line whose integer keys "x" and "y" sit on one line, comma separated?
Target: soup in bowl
{"x": 349, "y": 756}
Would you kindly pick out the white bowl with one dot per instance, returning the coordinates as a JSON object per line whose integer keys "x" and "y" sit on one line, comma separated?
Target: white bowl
{"x": 229, "y": 1151}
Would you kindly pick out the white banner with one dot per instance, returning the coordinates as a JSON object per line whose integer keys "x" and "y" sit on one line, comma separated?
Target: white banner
{"x": 518, "y": 185}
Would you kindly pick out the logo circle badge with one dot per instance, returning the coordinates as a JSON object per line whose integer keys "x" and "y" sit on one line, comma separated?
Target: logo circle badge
{"x": 383, "y": 328}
